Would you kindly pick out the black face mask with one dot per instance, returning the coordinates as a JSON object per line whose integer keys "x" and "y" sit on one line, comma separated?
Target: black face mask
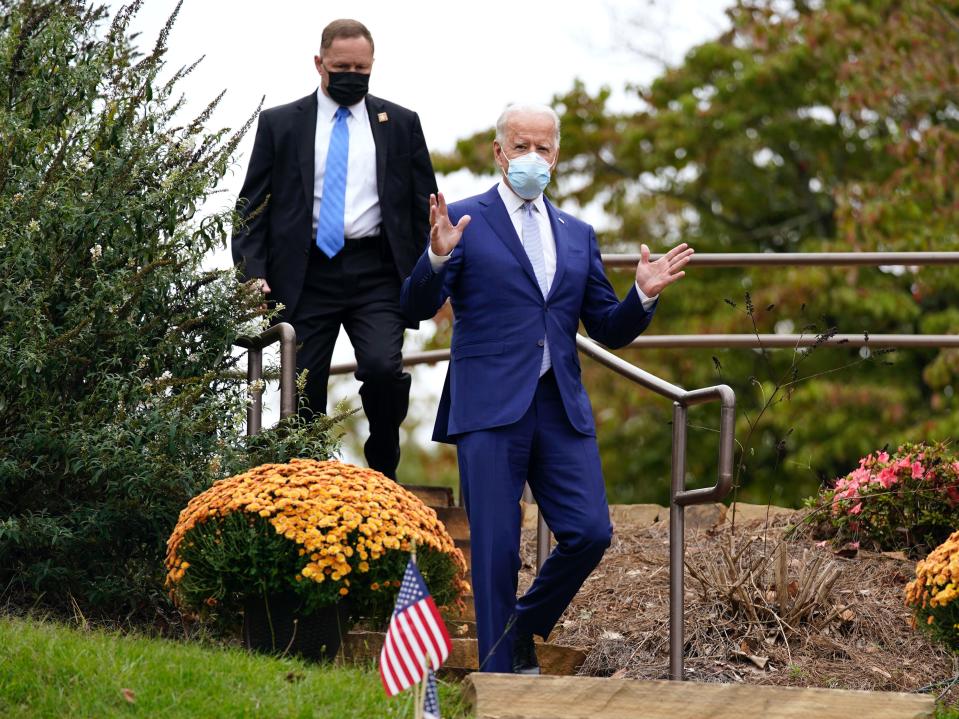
{"x": 348, "y": 88}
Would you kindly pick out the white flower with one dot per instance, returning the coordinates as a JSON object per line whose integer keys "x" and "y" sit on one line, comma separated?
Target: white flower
{"x": 166, "y": 375}
{"x": 33, "y": 225}
{"x": 17, "y": 197}
{"x": 96, "y": 252}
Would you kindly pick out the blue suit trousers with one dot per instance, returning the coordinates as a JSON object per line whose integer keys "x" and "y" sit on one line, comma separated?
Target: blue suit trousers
{"x": 563, "y": 470}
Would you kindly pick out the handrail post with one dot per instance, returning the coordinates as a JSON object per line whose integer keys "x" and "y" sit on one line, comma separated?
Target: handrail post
{"x": 542, "y": 540}
{"x": 254, "y": 375}
{"x": 283, "y": 333}
{"x": 287, "y": 370}
{"x": 677, "y": 544}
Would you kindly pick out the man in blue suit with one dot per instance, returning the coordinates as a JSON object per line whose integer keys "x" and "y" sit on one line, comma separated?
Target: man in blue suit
{"x": 521, "y": 275}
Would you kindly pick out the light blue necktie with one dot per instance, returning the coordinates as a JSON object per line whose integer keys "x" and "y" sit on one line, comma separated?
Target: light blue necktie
{"x": 329, "y": 227}
{"x": 533, "y": 244}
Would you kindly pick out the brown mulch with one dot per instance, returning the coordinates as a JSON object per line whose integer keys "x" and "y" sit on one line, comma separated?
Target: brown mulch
{"x": 857, "y": 636}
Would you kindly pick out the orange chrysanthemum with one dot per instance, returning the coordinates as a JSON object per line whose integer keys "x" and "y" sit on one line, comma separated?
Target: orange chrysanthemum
{"x": 341, "y": 517}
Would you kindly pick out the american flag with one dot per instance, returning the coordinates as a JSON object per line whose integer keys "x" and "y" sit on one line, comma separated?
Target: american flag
{"x": 416, "y": 636}
{"x": 431, "y": 702}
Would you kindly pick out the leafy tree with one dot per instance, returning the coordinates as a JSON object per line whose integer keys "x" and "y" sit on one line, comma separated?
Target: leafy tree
{"x": 828, "y": 126}
{"x": 116, "y": 404}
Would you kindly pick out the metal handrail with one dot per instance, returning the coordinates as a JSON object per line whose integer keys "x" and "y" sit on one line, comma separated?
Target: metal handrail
{"x": 798, "y": 259}
{"x": 680, "y": 497}
{"x": 791, "y": 341}
{"x": 283, "y": 333}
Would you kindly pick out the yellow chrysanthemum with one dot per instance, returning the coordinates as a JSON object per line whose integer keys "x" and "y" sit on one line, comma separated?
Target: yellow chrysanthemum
{"x": 339, "y": 516}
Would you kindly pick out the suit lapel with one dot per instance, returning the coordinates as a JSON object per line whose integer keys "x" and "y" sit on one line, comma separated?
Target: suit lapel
{"x": 496, "y": 216}
{"x": 374, "y": 106}
{"x": 306, "y": 145}
{"x": 562, "y": 245}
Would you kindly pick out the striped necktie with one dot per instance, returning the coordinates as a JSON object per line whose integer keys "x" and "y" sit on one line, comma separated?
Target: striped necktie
{"x": 329, "y": 227}
{"x": 533, "y": 244}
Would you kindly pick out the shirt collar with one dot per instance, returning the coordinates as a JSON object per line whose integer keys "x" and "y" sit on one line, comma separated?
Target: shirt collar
{"x": 326, "y": 108}
{"x": 513, "y": 201}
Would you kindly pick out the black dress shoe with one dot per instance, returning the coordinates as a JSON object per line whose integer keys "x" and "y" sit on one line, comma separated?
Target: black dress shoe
{"x": 524, "y": 655}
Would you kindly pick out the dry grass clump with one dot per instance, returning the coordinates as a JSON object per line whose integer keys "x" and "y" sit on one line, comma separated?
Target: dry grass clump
{"x": 764, "y": 605}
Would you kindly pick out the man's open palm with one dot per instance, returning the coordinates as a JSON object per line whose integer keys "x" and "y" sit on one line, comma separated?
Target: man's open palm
{"x": 444, "y": 235}
{"x": 653, "y": 277}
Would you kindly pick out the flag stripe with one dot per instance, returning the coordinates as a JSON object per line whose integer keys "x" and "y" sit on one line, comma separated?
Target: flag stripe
{"x": 438, "y": 618}
{"x": 408, "y": 650}
{"x": 414, "y": 635}
{"x": 400, "y": 649}
{"x": 386, "y": 674}
{"x": 395, "y": 664}
{"x": 426, "y": 632}
{"x": 436, "y": 631}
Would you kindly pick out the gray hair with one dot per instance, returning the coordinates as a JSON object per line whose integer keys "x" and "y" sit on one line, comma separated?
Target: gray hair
{"x": 519, "y": 108}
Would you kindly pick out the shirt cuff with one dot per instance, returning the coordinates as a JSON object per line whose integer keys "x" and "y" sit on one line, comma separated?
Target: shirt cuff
{"x": 437, "y": 261}
{"x": 647, "y": 301}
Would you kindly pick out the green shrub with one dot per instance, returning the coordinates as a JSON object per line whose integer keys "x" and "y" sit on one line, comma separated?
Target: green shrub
{"x": 116, "y": 404}
{"x": 905, "y": 501}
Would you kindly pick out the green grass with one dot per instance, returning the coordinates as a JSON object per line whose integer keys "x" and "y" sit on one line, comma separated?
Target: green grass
{"x": 51, "y": 670}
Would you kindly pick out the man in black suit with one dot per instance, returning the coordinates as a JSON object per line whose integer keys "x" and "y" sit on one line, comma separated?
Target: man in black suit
{"x": 336, "y": 213}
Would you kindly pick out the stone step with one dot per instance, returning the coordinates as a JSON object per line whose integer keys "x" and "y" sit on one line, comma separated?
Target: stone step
{"x": 363, "y": 646}
{"x": 464, "y": 546}
{"x": 432, "y": 496}
{"x": 511, "y": 696}
{"x": 454, "y": 518}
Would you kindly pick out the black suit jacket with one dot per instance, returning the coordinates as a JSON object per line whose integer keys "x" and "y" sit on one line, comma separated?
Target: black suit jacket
{"x": 276, "y": 201}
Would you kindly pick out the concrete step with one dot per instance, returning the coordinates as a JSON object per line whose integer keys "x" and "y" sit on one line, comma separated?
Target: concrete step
{"x": 364, "y": 646}
{"x": 432, "y": 496}
{"x": 464, "y": 546}
{"x": 510, "y": 696}
{"x": 454, "y": 518}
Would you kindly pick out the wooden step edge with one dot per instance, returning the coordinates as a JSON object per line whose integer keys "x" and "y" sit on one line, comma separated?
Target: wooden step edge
{"x": 430, "y": 495}
{"x": 505, "y": 696}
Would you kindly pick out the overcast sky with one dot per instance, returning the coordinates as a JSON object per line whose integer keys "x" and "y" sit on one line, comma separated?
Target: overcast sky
{"x": 456, "y": 64}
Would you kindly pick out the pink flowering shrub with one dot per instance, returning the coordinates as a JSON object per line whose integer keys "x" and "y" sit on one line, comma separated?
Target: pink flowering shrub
{"x": 905, "y": 501}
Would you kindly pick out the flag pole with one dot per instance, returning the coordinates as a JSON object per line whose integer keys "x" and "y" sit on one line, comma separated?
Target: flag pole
{"x": 421, "y": 689}
{"x": 419, "y": 694}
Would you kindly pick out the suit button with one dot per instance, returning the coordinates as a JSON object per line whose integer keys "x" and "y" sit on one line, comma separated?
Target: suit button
{"x": 540, "y": 343}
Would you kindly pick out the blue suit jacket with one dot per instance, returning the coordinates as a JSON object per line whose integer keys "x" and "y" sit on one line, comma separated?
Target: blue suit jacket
{"x": 501, "y": 317}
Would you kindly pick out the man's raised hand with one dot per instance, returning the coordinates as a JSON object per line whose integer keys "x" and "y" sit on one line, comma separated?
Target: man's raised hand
{"x": 444, "y": 235}
{"x": 653, "y": 277}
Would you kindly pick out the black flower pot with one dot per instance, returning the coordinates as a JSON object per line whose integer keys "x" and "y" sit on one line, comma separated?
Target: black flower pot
{"x": 277, "y": 624}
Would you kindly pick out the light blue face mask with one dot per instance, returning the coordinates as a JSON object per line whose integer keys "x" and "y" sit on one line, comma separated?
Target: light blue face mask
{"x": 528, "y": 175}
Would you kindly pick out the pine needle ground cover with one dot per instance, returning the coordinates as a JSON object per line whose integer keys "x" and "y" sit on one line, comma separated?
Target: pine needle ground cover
{"x": 765, "y": 604}
{"x": 51, "y": 670}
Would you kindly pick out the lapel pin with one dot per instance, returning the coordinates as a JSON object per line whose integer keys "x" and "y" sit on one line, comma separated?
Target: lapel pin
{"x": 383, "y": 117}
{"x": 561, "y": 220}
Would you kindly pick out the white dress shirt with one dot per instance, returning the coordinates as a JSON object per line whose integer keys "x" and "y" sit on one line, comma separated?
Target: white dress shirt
{"x": 361, "y": 216}
{"x": 514, "y": 204}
